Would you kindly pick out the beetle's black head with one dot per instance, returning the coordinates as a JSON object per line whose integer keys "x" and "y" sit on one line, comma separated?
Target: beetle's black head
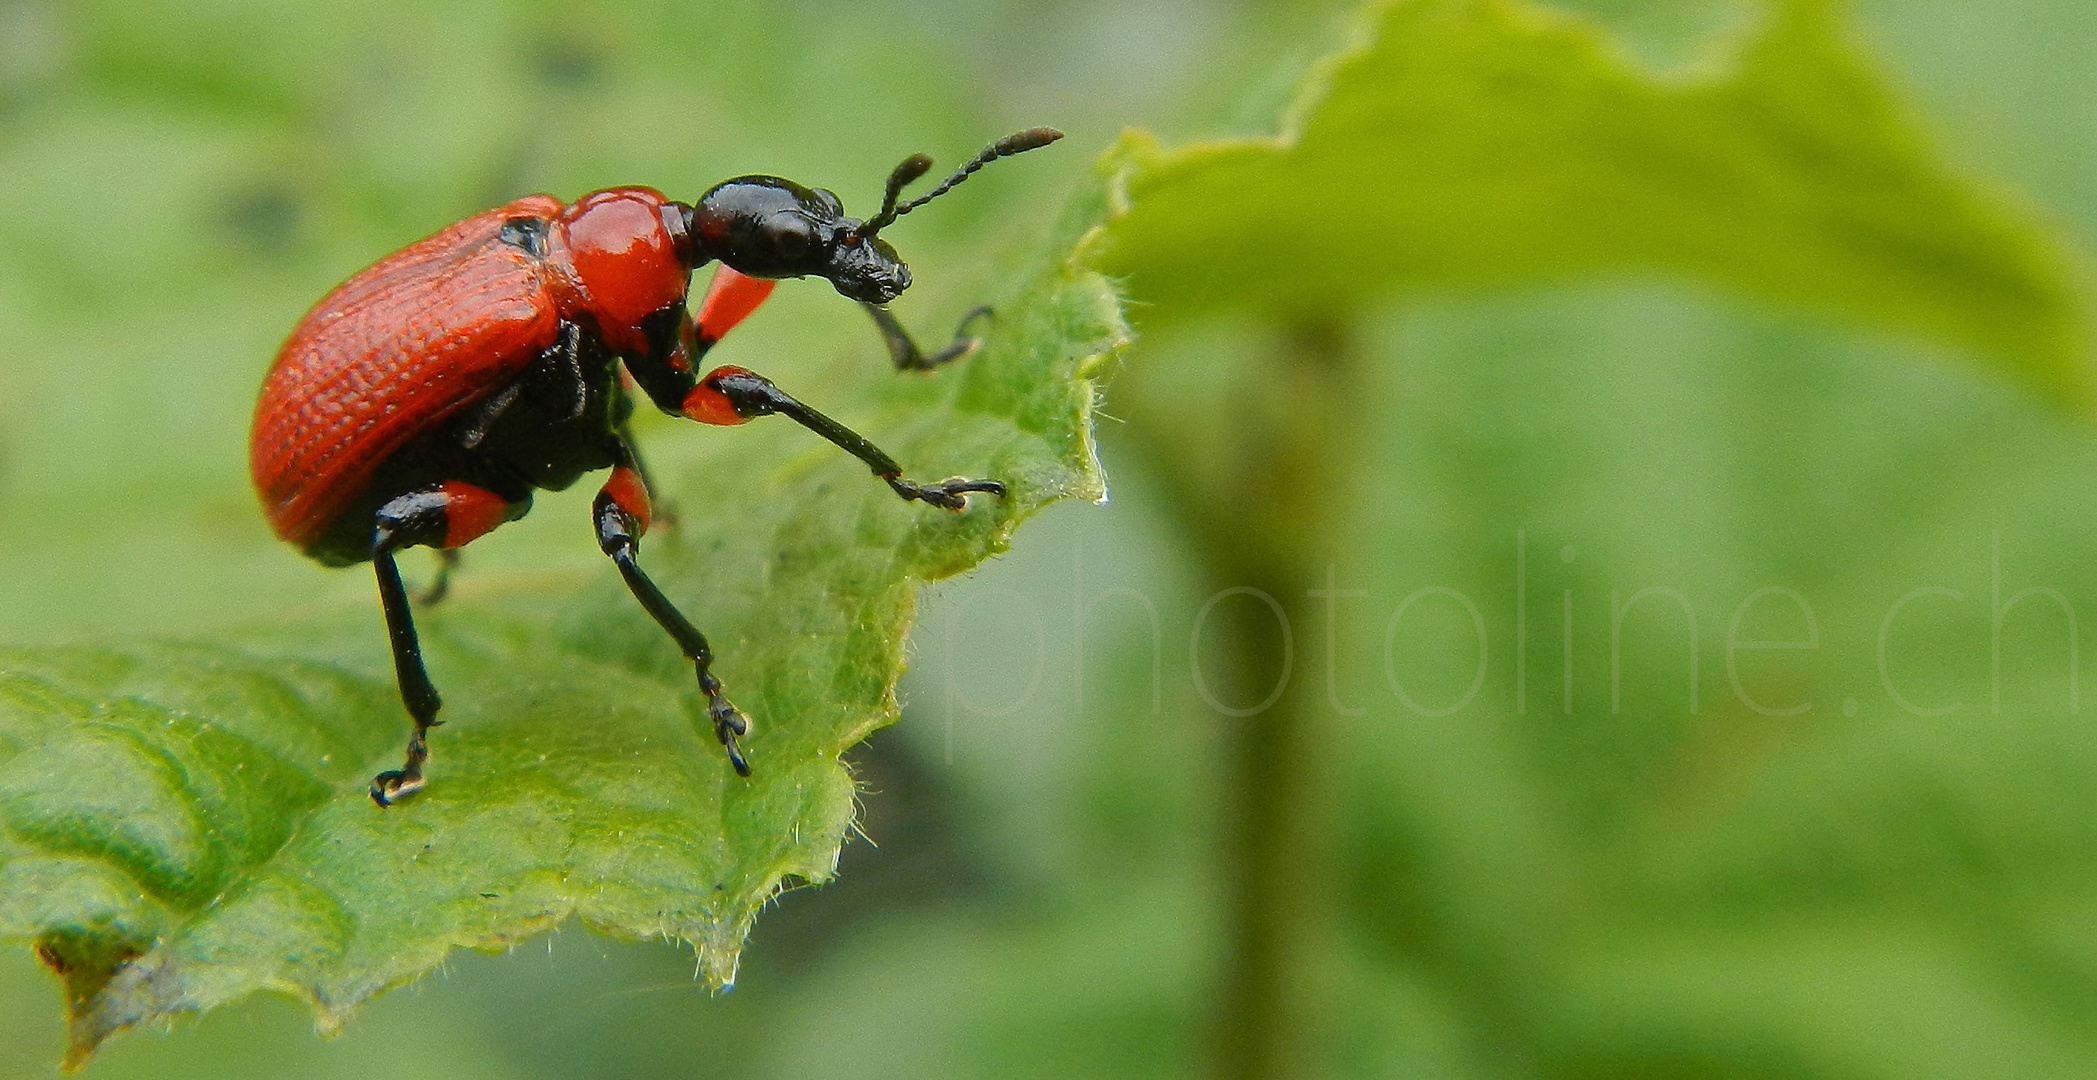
{"x": 767, "y": 227}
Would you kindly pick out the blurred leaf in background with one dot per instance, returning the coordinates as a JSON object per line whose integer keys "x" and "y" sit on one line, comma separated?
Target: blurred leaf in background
{"x": 1325, "y": 459}
{"x": 1767, "y": 356}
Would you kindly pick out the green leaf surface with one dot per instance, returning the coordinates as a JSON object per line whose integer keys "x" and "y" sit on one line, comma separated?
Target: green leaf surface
{"x": 185, "y": 823}
{"x": 1466, "y": 143}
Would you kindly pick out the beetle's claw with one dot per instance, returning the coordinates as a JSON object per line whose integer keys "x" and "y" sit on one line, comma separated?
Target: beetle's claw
{"x": 730, "y": 719}
{"x": 729, "y": 726}
{"x": 735, "y": 755}
{"x": 393, "y": 785}
{"x": 964, "y": 344}
{"x": 952, "y": 492}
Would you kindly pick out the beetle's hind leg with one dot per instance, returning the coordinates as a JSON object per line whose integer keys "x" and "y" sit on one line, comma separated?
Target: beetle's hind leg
{"x": 416, "y": 691}
{"x": 445, "y": 516}
{"x": 622, "y": 514}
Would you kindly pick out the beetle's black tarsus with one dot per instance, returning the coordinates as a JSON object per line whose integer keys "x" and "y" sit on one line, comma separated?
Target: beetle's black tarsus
{"x": 754, "y": 395}
{"x": 904, "y": 350}
{"x": 947, "y": 494}
{"x": 615, "y": 535}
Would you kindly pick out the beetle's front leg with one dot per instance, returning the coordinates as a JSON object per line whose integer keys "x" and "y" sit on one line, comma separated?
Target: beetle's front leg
{"x": 905, "y": 352}
{"x": 731, "y": 395}
{"x": 621, "y": 513}
{"x": 730, "y": 298}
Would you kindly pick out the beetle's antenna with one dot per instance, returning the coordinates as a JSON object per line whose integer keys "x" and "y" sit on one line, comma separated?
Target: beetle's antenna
{"x": 915, "y": 166}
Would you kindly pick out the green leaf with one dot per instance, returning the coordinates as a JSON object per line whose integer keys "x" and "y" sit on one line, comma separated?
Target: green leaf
{"x": 185, "y": 823}
{"x": 1493, "y": 142}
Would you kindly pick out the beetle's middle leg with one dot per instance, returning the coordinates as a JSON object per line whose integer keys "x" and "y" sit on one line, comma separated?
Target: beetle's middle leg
{"x": 444, "y": 516}
{"x": 622, "y": 513}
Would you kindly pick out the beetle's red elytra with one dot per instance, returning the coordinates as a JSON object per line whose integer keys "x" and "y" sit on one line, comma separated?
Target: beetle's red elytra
{"x": 424, "y": 400}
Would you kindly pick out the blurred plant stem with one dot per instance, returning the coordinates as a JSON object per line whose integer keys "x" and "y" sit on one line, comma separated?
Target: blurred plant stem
{"x": 1264, "y": 518}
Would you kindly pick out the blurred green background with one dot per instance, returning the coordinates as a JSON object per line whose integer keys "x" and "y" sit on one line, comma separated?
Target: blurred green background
{"x": 1072, "y": 835}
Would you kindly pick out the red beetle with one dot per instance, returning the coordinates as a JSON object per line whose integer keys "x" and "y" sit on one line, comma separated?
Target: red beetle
{"x": 423, "y": 400}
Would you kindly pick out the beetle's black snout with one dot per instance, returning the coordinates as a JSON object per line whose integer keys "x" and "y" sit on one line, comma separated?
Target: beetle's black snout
{"x": 866, "y": 269}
